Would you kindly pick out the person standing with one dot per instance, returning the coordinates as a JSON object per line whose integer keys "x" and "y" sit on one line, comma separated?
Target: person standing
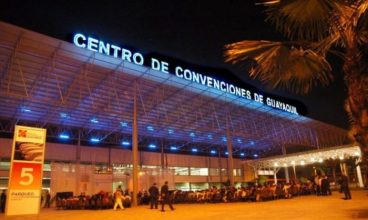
{"x": 3, "y": 201}
{"x": 165, "y": 196}
{"x": 118, "y": 196}
{"x": 344, "y": 182}
{"x": 47, "y": 201}
{"x": 153, "y": 191}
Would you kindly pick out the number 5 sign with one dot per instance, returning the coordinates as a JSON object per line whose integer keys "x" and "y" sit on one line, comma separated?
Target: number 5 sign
{"x": 25, "y": 180}
{"x": 26, "y": 176}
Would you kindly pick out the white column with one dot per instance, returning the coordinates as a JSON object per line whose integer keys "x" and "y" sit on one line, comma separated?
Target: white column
{"x": 360, "y": 178}
{"x": 287, "y": 174}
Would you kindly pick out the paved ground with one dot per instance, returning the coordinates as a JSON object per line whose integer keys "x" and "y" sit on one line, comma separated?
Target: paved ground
{"x": 305, "y": 207}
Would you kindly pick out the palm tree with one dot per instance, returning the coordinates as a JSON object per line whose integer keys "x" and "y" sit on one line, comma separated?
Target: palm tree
{"x": 315, "y": 28}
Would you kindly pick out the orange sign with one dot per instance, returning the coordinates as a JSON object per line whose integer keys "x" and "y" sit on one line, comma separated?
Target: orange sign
{"x": 25, "y": 182}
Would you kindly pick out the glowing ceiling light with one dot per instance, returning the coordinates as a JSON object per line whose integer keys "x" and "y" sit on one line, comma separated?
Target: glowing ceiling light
{"x": 64, "y": 136}
{"x": 152, "y": 146}
{"x": 125, "y": 143}
{"x": 94, "y": 120}
{"x": 95, "y": 140}
{"x": 25, "y": 109}
{"x": 64, "y": 115}
{"x": 124, "y": 124}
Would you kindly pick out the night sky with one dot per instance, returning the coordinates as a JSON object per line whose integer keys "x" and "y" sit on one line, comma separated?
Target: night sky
{"x": 185, "y": 32}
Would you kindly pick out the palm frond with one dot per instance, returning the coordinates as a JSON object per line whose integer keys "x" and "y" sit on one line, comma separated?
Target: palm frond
{"x": 302, "y": 19}
{"x": 279, "y": 64}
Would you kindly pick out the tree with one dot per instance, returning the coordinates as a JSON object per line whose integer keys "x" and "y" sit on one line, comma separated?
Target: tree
{"x": 315, "y": 28}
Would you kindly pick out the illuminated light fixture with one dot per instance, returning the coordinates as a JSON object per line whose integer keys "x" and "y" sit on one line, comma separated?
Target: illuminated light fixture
{"x": 25, "y": 109}
{"x": 124, "y": 124}
{"x": 213, "y": 152}
{"x": 341, "y": 157}
{"x": 255, "y": 155}
{"x": 64, "y": 136}
{"x": 152, "y": 146}
{"x": 192, "y": 134}
{"x": 251, "y": 142}
{"x": 224, "y": 139}
{"x": 320, "y": 160}
{"x": 285, "y": 164}
{"x": 226, "y": 153}
{"x": 150, "y": 128}
{"x": 210, "y": 136}
{"x": 293, "y": 162}
{"x": 356, "y": 153}
{"x": 194, "y": 150}
{"x": 125, "y": 143}
{"x": 239, "y": 141}
{"x": 95, "y": 140}
{"x": 312, "y": 159}
{"x": 302, "y": 162}
{"x": 64, "y": 115}
{"x": 170, "y": 131}
{"x": 94, "y": 120}
{"x": 276, "y": 164}
{"x": 242, "y": 154}
{"x": 173, "y": 148}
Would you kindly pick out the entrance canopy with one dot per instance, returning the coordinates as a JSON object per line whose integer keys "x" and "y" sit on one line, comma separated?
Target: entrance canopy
{"x": 306, "y": 158}
{"x": 46, "y": 82}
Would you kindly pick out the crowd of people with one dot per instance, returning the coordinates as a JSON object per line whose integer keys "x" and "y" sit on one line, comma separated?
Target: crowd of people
{"x": 101, "y": 200}
{"x": 319, "y": 185}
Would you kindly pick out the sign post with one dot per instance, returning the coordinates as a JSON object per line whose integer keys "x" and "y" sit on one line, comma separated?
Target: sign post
{"x": 25, "y": 181}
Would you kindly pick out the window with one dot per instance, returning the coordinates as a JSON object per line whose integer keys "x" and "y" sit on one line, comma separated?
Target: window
{"x": 237, "y": 172}
{"x": 198, "y": 171}
{"x": 224, "y": 172}
{"x": 180, "y": 171}
{"x": 199, "y": 186}
{"x": 4, "y": 165}
{"x": 46, "y": 167}
{"x": 214, "y": 172}
{"x": 3, "y": 182}
{"x": 182, "y": 186}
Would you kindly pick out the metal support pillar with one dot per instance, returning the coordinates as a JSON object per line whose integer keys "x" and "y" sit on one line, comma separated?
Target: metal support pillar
{"x": 286, "y": 169}
{"x": 230, "y": 160}
{"x": 135, "y": 150}
{"x": 77, "y": 164}
{"x": 220, "y": 166}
